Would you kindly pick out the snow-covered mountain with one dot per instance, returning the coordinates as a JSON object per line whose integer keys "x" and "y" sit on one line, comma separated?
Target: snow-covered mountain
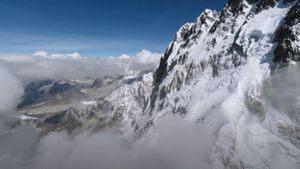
{"x": 216, "y": 73}
{"x": 86, "y": 104}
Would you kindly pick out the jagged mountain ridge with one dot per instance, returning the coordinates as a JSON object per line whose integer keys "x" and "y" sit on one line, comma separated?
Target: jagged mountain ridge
{"x": 235, "y": 43}
{"x": 188, "y": 36}
{"x": 213, "y": 74}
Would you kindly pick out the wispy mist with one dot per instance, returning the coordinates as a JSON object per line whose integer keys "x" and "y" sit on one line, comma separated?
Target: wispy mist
{"x": 282, "y": 91}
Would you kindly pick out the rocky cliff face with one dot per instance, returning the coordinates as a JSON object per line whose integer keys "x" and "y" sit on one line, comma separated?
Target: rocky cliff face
{"x": 214, "y": 72}
{"x": 225, "y": 40}
{"x": 287, "y": 37}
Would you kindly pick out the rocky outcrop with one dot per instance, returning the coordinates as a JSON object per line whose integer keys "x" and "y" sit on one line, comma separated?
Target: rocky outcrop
{"x": 287, "y": 37}
{"x": 185, "y": 38}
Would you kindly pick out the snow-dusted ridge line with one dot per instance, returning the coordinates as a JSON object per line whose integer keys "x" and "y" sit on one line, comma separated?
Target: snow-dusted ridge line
{"x": 214, "y": 76}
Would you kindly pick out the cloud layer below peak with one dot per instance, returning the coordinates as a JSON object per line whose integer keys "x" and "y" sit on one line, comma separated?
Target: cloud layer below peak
{"x": 43, "y": 65}
{"x": 44, "y": 54}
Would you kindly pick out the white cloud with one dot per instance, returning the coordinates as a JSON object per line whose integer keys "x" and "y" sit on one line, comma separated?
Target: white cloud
{"x": 45, "y": 54}
{"x": 124, "y": 57}
{"x": 11, "y": 90}
{"x": 147, "y": 57}
{"x": 74, "y": 55}
{"x": 44, "y": 65}
{"x": 173, "y": 144}
{"x": 18, "y": 144}
{"x": 57, "y": 56}
{"x": 143, "y": 57}
{"x": 40, "y": 53}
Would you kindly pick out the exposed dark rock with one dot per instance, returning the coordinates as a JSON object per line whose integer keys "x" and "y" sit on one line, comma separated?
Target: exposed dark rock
{"x": 162, "y": 71}
{"x": 60, "y": 88}
{"x": 285, "y": 37}
{"x": 32, "y": 94}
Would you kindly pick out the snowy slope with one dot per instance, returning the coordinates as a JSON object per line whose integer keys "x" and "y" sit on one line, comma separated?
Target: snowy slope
{"x": 213, "y": 74}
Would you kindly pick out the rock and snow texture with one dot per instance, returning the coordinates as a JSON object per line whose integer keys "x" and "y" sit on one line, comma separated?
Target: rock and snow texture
{"x": 287, "y": 37}
{"x": 89, "y": 105}
{"x": 213, "y": 74}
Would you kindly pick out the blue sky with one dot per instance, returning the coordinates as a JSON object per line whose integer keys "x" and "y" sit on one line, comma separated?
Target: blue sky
{"x": 94, "y": 27}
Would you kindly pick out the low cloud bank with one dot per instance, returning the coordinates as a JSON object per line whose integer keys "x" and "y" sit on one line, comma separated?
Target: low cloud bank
{"x": 174, "y": 144}
{"x": 21, "y": 147}
{"x": 42, "y": 65}
{"x": 44, "y": 54}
